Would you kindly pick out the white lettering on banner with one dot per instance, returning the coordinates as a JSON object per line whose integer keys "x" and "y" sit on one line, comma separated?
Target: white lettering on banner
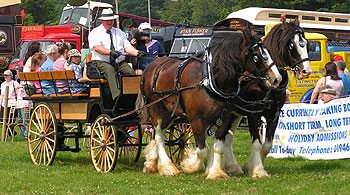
{"x": 313, "y": 131}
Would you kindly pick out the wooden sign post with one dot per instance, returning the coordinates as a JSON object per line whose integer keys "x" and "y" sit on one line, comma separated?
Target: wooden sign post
{"x": 4, "y": 116}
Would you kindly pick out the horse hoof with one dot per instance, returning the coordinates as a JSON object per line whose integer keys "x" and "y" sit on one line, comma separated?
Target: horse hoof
{"x": 169, "y": 170}
{"x": 218, "y": 174}
{"x": 260, "y": 174}
{"x": 234, "y": 169}
{"x": 149, "y": 168}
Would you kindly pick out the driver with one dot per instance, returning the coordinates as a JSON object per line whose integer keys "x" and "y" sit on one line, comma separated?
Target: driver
{"x": 109, "y": 56}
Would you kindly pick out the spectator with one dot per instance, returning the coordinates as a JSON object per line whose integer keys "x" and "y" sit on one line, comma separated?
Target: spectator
{"x": 332, "y": 79}
{"x": 12, "y": 95}
{"x": 287, "y": 97}
{"x": 327, "y": 94}
{"x": 63, "y": 48}
{"x": 151, "y": 47}
{"x": 33, "y": 47}
{"x": 107, "y": 44}
{"x": 78, "y": 85}
{"x": 346, "y": 81}
{"x": 51, "y": 53}
{"x": 340, "y": 58}
{"x": 21, "y": 104}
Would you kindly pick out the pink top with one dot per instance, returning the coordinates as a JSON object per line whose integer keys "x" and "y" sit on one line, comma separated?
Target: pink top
{"x": 61, "y": 85}
{"x": 37, "y": 83}
{"x": 12, "y": 93}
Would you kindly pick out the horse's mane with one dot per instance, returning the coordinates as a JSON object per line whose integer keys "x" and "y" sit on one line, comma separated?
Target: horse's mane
{"x": 228, "y": 58}
{"x": 277, "y": 41}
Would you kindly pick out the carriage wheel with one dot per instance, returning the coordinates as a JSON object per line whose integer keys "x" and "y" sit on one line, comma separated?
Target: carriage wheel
{"x": 103, "y": 146}
{"x": 42, "y": 135}
{"x": 180, "y": 140}
{"x": 131, "y": 143}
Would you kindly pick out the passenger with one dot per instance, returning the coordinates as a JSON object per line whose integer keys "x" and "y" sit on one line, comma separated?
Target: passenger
{"x": 332, "y": 79}
{"x": 51, "y": 53}
{"x": 63, "y": 48}
{"x": 346, "y": 81}
{"x": 151, "y": 47}
{"x": 107, "y": 57}
{"x": 38, "y": 60}
{"x": 33, "y": 47}
{"x": 287, "y": 97}
{"x": 78, "y": 85}
{"x": 327, "y": 94}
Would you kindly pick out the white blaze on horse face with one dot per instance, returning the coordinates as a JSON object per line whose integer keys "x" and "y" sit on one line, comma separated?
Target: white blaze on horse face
{"x": 274, "y": 75}
{"x": 302, "y": 50}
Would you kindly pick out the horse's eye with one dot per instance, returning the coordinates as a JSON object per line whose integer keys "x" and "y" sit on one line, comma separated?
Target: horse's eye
{"x": 255, "y": 58}
{"x": 291, "y": 45}
{"x": 264, "y": 55}
{"x": 302, "y": 43}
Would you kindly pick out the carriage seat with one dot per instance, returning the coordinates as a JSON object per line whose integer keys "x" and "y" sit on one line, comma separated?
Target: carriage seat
{"x": 50, "y": 75}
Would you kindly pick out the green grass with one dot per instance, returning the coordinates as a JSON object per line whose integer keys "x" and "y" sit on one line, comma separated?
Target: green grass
{"x": 73, "y": 173}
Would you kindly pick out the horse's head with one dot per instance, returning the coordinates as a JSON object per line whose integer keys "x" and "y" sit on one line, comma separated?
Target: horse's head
{"x": 259, "y": 61}
{"x": 288, "y": 47}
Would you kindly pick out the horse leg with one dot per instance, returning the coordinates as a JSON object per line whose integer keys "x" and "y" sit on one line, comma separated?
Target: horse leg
{"x": 165, "y": 166}
{"x": 193, "y": 162}
{"x": 230, "y": 162}
{"x": 270, "y": 132}
{"x": 254, "y": 165}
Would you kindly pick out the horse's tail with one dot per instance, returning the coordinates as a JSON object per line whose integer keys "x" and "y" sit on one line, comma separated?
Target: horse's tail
{"x": 142, "y": 112}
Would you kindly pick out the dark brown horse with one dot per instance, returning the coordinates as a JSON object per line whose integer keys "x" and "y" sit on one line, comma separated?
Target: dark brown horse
{"x": 288, "y": 48}
{"x": 224, "y": 64}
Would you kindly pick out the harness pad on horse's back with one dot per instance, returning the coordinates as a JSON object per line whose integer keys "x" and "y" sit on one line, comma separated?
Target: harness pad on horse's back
{"x": 181, "y": 67}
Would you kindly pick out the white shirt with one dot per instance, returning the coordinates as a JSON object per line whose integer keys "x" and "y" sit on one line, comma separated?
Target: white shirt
{"x": 12, "y": 94}
{"x": 99, "y": 36}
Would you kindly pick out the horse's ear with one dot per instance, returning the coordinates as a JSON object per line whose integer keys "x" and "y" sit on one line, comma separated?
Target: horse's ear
{"x": 284, "y": 21}
{"x": 246, "y": 34}
{"x": 296, "y": 21}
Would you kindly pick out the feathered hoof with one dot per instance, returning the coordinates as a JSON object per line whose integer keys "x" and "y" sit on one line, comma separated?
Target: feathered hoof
{"x": 255, "y": 172}
{"x": 191, "y": 169}
{"x": 169, "y": 170}
{"x": 149, "y": 167}
{"x": 217, "y": 174}
{"x": 233, "y": 169}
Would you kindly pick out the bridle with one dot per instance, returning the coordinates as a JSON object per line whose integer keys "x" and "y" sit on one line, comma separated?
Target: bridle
{"x": 294, "y": 66}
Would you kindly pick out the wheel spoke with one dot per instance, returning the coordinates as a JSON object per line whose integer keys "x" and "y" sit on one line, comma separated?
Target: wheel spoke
{"x": 97, "y": 133}
{"x": 110, "y": 143}
{"x": 34, "y": 140}
{"x": 36, "y": 147}
{"x": 47, "y": 128}
{"x": 36, "y": 126}
{"x": 50, "y": 133}
{"x": 51, "y": 140}
{"x": 39, "y": 122}
{"x": 109, "y": 138}
{"x": 49, "y": 145}
{"x": 94, "y": 139}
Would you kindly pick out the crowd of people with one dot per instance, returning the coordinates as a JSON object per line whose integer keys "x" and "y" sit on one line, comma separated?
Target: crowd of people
{"x": 108, "y": 46}
{"x": 335, "y": 83}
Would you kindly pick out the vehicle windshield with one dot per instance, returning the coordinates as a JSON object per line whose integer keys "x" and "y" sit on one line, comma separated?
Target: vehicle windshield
{"x": 79, "y": 16}
{"x": 184, "y": 47}
{"x": 22, "y": 49}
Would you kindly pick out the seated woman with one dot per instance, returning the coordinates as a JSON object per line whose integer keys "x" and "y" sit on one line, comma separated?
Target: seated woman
{"x": 332, "y": 79}
{"x": 77, "y": 86}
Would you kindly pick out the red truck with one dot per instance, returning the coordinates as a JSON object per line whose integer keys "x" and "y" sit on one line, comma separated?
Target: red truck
{"x": 46, "y": 36}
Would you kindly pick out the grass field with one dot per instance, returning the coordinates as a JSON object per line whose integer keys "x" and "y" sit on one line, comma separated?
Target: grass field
{"x": 73, "y": 173}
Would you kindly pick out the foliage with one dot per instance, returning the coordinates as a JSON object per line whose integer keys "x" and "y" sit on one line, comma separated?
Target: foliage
{"x": 200, "y": 12}
{"x": 44, "y": 12}
{"x": 73, "y": 173}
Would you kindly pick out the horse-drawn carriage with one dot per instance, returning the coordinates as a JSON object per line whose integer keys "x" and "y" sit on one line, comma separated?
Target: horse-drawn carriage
{"x": 58, "y": 118}
{"x": 204, "y": 94}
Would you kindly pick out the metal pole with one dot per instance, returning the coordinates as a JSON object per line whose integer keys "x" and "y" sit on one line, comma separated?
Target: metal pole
{"x": 149, "y": 16}
{"x": 4, "y": 116}
{"x": 117, "y": 10}
{"x": 89, "y": 17}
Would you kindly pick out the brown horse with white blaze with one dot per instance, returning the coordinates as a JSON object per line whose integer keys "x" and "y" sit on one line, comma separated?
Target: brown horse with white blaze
{"x": 182, "y": 86}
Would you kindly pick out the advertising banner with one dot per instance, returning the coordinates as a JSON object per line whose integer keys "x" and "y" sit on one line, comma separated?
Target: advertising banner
{"x": 313, "y": 131}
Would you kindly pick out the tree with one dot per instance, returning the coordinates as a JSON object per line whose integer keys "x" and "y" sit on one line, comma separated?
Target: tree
{"x": 43, "y": 12}
{"x": 140, "y": 7}
{"x": 176, "y": 11}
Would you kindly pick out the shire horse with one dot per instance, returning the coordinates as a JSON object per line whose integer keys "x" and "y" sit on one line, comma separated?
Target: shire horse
{"x": 180, "y": 90}
{"x": 288, "y": 48}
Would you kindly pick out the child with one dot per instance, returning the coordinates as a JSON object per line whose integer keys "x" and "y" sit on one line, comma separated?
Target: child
{"x": 77, "y": 86}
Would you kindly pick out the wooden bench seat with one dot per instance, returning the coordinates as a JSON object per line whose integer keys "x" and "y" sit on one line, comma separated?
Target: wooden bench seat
{"x": 53, "y": 76}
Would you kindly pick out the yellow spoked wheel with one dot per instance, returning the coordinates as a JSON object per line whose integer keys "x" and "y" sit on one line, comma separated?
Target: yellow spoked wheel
{"x": 103, "y": 146}
{"x": 130, "y": 143}
{"x": 42, "y": 135}
{"x": 180, "y": 140}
